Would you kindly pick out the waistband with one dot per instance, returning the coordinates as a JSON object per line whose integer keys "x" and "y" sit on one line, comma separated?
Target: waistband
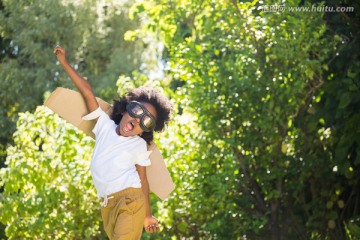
{"x": 126, "y": 191}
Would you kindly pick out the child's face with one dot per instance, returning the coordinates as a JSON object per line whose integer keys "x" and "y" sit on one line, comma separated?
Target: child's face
{"x": 130, "y": 126}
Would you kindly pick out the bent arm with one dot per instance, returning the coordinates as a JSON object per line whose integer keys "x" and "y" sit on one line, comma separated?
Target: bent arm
{"x": 150, "y": 223}
{"x": 82, "y": 84}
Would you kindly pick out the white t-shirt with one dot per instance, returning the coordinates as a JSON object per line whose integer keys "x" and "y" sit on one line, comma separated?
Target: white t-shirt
{"x": 114, "y": 158}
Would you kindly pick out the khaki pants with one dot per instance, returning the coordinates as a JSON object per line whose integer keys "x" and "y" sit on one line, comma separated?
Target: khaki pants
{"x": 124, "y": 214}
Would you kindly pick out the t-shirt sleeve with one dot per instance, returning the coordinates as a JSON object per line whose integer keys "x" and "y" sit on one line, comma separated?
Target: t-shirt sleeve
{"x": 93, "y": 115}
{"x": 141, "y": 153}
{"x": 143, "y": 158}
{"x": 102, "y": 123}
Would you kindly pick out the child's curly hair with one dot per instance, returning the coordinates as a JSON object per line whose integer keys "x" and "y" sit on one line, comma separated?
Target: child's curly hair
{"x": 162, "y": 105}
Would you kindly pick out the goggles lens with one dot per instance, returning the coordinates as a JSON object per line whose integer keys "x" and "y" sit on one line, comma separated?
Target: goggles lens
{"x": 137, "y": 110}
{"x": 148, "y": 122}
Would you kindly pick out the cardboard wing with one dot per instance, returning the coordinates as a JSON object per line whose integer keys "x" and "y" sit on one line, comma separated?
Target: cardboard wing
{"x": 71, "y": 106}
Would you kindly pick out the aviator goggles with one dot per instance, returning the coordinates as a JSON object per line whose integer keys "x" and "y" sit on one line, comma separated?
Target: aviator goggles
{"x": 137, "y": 110}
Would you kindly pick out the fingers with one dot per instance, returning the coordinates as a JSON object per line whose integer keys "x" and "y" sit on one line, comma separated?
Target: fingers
{"x": 58, "y": 49}
{"x": 152, "y": 228}
{"x": 151, "y": 225}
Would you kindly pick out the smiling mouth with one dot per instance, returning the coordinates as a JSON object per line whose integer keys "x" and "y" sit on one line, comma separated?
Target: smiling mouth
{"x": 129, "y": 126}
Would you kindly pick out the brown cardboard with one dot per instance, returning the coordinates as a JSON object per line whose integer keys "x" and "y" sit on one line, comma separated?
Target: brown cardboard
{"x": 71, "y": 106}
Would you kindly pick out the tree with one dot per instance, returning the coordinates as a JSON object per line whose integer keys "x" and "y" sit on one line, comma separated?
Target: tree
{"x": 259, "y": 157}
{"x": 48, "y": 192}
{"x": 92, "y": 33}
{"x": 265, "y": 140}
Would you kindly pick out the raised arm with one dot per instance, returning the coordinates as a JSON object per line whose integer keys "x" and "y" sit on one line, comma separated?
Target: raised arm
{"x": 82, "y": 84}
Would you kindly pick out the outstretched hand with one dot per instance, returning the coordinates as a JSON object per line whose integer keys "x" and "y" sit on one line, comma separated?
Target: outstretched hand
{"x": 151, "y": 224}
{"x": 60, "y": 54}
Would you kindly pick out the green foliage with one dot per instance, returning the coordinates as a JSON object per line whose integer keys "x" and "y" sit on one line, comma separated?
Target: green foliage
{"x": 92, "y": 33}
{"x": 268, "y": 159}
{"x": 48, "y": 193}
{"x": 265, "y": 138}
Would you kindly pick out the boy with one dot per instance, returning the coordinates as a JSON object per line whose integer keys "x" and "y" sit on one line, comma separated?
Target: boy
{"x": 120, "y": 154}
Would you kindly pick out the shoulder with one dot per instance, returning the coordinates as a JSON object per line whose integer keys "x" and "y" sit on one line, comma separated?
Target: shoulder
{"x": 137, "y": 145}
{"x": 103, "y": 123}
{"x": 141, "y": 143}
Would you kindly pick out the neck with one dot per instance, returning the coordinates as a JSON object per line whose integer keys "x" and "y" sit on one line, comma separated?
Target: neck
{"x": 117, "y": 130}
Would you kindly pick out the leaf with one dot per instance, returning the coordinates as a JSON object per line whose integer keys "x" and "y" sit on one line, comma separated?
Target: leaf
{"x": 182, "y": 227}
{"x": 345, "y": 100}
{"x": 354, "y": 230}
